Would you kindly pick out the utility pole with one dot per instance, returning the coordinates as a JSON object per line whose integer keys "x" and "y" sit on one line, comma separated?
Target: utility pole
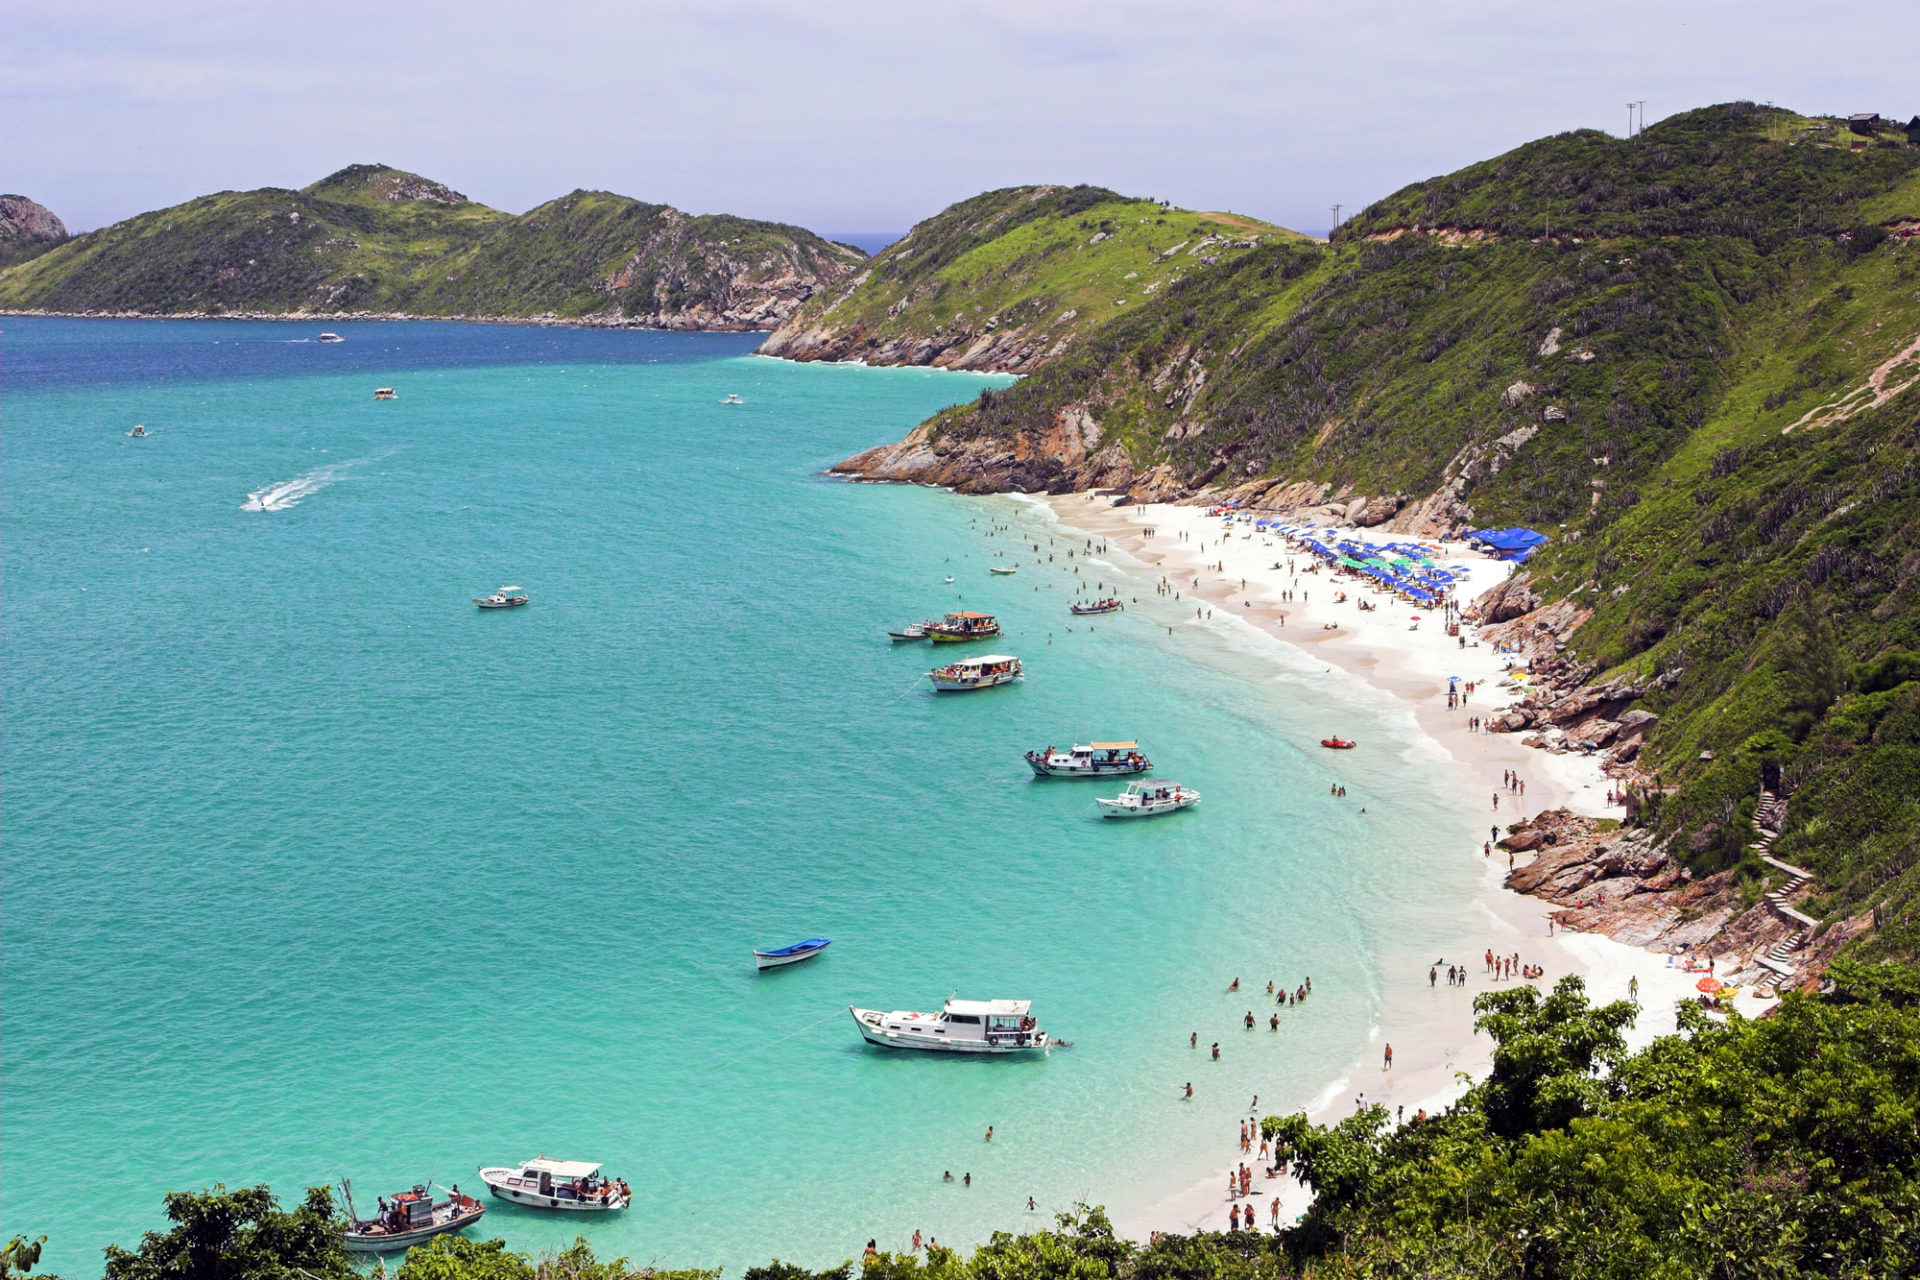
{"x": 1336, "y": 218}
{"x": 1629, "y": 119}
{"x": 1642, "y": 104}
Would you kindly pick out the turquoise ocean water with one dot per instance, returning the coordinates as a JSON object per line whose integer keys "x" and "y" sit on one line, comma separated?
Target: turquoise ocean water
{"x": 312, "y": 869}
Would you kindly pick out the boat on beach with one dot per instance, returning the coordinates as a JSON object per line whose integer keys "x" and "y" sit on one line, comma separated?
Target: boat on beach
{"x": 407, "y": 1219}
{"x": 1148, "y": 800}
{"x": 961, "y": 1026}
{"x": 504, "y": 598}
{"x": 969, "y": 674}
{"x": 1109, "y": 605}
{"x": 576, "y": 1186}
{"x": 1094, "y": 760}
{"x": 956, "y": 627}
{"x": 792, "y": 954}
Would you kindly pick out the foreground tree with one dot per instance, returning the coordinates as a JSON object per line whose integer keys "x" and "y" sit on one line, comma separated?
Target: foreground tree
{"x": 238, "y": 1235}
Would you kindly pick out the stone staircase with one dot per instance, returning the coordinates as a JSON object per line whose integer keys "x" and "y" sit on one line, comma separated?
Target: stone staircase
{"x": 1766, "y": 824}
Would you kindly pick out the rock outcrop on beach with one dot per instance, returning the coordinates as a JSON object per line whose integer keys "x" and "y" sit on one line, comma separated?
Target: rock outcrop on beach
{"x": 375, "y": 240}
{"x": 1009, "y": 280}
{"x": 27, "y": 230}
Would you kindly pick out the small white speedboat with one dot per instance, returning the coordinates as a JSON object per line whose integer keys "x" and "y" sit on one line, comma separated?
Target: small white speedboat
{"x": 504, "y": 598}
{"x": 912, "y": 631}
{"x": 962, "y": 1026}
{"x": 331, "y": 337}
{"x": 983, "y": 672}
{"x": 1148, "y": 800}
{"x": 407, "y": 1219}
{"x": 733, "y": 398}
{"x": 576, "y": 1186}
{"x": 793, "y": 954}
{"x": 1002, "y": 569}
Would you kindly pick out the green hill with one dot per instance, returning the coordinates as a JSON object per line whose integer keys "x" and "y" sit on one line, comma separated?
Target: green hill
{"x": 1705, "y": 385}
{"x": 374, "y": 239}
{"x": 1010, "y": 279}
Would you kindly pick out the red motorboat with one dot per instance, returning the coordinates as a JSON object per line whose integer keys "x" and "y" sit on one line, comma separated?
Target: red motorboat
{"x": 1337, "y": 744}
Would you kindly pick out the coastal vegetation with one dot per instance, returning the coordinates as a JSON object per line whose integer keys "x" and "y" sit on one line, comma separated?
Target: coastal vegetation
{"x": 1691, "y": 357}
{"x": 1010, "y": 279}
{"x": 370, "y": 238}
{"x": 1787, "y": 1146}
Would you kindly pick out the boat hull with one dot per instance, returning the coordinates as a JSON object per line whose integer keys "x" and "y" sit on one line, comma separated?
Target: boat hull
{"x": 949, "y": 684}
{"x": 875, "y": 1031}
{"x": 515, "y": 603}
{"x": 398, "y": 1240}
{"x": 563, "y": 1204}
{"x": 1114, "y": 809}
{"x": 948, "y": 637}
{"x": 1119, "y": 769}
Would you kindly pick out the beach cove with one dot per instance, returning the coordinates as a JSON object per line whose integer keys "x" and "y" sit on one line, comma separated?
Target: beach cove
{"x": 315, "y": 871}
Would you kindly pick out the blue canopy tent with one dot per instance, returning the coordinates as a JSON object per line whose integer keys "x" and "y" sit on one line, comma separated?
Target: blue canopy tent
{"x": 1509, "y": 544}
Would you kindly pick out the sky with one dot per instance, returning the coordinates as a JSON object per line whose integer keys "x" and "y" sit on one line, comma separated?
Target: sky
{"x": 857, "y": 117}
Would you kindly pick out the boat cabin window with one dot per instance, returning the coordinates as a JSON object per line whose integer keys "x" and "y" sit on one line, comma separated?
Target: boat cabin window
{"x": 967, "y": 1018}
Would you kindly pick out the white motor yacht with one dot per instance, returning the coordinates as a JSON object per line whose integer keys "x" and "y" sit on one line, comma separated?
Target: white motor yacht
{"x": 962, "y": 1026}
{"x": 983, "y": 672}
{"x": 331, "y": 337}
{"x": 1095, "y": 760}
{"x": 573, "y": 1185}
{"x": 1148, "y": 799}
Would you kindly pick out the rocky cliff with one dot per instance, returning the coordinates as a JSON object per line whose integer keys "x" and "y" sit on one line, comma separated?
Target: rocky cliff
{"x": 27, "y": 230}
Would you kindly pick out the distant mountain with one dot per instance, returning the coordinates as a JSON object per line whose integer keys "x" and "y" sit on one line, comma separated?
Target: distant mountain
{"x": 27, "y": 230}
{"x": 1010, "y": 279}
{"x": 375, "y": 239}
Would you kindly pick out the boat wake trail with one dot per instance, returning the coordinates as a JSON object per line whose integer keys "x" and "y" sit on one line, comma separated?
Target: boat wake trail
{"x": 282, "y": 494}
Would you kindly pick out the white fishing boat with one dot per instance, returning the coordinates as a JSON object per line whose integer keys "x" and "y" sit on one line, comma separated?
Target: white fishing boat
{"x": 1094, "y": 760}
{"x": 572, "y": 1185}
{"x": 138, "y": 432}
{"x": 912, "y": 631}
{"x": 1002, "y": 569}
{"x": 1147, "y": 800}
{"x": 983, "y": 672}
{"x": 385, "y": 393}
{"x": 962, "y": 1026}
{"x": 793, "y": 954}
{"x": 504, "y": 598}
{"x": 331, "y": 337}
{"x": 407, "y": 1219}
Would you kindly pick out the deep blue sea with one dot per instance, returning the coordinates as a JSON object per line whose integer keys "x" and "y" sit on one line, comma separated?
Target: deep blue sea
{"x": 312, "y": 869}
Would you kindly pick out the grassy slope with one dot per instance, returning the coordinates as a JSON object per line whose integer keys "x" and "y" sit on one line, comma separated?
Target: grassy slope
{"x": 352, "y": 247}
{"x": 1027, "y": 255}
{"x": 1719, "y": 303}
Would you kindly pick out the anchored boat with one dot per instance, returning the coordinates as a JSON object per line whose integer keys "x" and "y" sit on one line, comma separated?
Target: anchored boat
{"x": 956, "y": 627}
{"x": 1148, "y": 799}
{"x": 408, "y": 1218}
{"x": 385, "y": 393}
{"x": 961, "y": 1026}
{"x": 1110, "y": 605}
{"x": 912, "y": 631}
{"x": 1095, "y": 760}
{"x": 791, "y": 954}
{"x": 1002, "y": 569}
{"x": 573, "y": 1185}
{"x": 983, "y": 672}
{"x": 504, "y": 598}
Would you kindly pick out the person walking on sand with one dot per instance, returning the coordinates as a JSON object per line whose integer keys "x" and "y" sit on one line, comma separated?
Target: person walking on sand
{"x": 1633, "y": 990}
{"x": 1389, "y": 1063}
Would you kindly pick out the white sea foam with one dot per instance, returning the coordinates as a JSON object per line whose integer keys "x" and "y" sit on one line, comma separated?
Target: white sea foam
{"x": 282, "y": 494}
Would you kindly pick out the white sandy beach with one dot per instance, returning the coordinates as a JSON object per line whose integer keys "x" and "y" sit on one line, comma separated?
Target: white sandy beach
{"x": 1431, "y": 1029}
